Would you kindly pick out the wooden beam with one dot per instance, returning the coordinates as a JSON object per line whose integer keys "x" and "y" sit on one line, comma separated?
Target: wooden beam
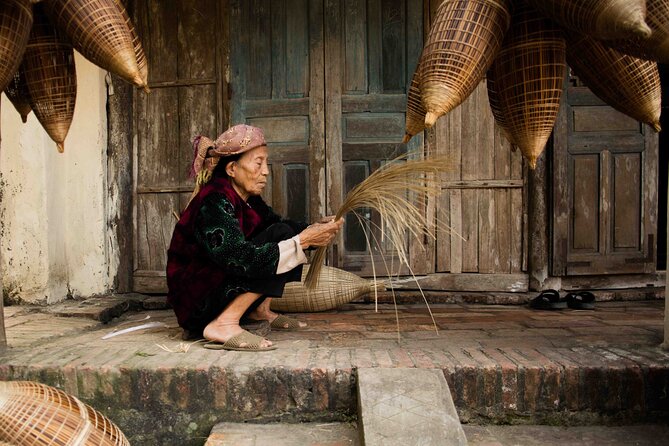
{"x": 513, "y": 283}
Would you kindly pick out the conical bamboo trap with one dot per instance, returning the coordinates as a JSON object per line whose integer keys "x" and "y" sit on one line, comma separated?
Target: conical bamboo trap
{"x": 99, "y": 32}
{"x": 16, "y": 19}
{"x": 656, "y": 46}
{"x": 415, "y": 114}
{"x": 335, "y": 287}
{"x": 51, "y": 78}
{"x": 462, "y": 43}
{"x": 603, "y": 19}
{"x": 36, "y": 414}
{"x": 628, "y": 84}
{"x": 526, "y": 81}
{"x": 140, "y": 56}
{"x": 17, "y": 92}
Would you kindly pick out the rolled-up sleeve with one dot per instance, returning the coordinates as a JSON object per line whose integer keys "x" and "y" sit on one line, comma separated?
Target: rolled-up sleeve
{"x": 290, "y": 255}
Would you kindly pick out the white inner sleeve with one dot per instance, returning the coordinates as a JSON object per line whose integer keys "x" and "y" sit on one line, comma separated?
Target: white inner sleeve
{"x": 290, "y": 255}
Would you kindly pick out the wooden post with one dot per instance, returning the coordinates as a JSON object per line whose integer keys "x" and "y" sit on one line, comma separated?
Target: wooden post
{"x": 3, "y": 336}
{"x": 538, "y": 224}
{"x": 665, "y": 344}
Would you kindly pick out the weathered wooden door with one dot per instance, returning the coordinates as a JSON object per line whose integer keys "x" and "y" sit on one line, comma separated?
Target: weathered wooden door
{"x": 327, "y": 82}
{"x": 183, "y": 42}
{"x": 605, "y": 189}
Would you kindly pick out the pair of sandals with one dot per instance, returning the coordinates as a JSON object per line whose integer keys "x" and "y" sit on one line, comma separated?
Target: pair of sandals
{"x": 551, "y": 300}
{"x": 249, "y": 342}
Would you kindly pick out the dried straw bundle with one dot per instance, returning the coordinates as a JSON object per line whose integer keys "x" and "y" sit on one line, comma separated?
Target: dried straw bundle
{"x": 387, "y": 190}
{"x": 628, "y": 84}
{"x": 461, "y": 45}
{"x": 17, "y": 92}
{"x": 99, "y": 32}
{"x": 335, "y": 287}
{"x": 656, "y": 46}
{"x": 37, "y": 414}
{"x": 603, "y": 19}
{"x": 16, "y": 18}
{"x": 415, "y": 115}
{"x": 140, "y": 56}
{"x": 525, "y": 81}
{"x": 51, "y": 78}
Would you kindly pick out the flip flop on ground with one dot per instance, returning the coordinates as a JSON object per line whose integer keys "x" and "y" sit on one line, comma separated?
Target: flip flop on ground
{"x": 548, "y": 300}
{"x": 581, "y": 300}
{"x": 243, "y": 342}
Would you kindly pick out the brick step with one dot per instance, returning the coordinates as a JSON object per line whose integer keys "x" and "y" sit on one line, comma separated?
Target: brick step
{"x": 284, "y": 434}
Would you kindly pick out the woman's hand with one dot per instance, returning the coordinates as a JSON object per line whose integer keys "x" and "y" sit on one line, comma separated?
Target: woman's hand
{"x": 320, "y": 234}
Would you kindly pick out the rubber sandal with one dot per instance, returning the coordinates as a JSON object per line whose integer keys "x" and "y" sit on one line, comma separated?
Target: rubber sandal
{"x": 235, "y": 343}
{"x": 285, "y": 323}
{"x": 548, "y": 300}
{"x": 582, "y": 300}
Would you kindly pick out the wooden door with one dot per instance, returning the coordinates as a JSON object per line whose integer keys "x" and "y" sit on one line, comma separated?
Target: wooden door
{"x": 605, "y": 189}
{"x": 182, "y": 39}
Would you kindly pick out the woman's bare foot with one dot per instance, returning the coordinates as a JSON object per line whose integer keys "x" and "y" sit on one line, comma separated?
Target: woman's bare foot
{"x": 264, "y": 313}
{"x": 222, "y": 330}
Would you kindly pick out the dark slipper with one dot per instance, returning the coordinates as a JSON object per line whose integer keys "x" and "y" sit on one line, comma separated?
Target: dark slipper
{"x": 548, "y": 300}
{"x": 581, "y": 300}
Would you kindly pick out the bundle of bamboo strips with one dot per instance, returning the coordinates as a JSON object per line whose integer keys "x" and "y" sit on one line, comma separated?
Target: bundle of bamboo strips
{"x": 37, "y": 414}
{"x": 602, "y": 19}
{"x": 51, "y": 78}
{"x": 462, "y": 43}
{"x": 17, "y": 92}
{"x": 16, "y": 19}
{"x": 656, "y": 46}
{"x": 628, "y": 84}
{"x": 100, "y": 33}
{"x": 525, "y": 82}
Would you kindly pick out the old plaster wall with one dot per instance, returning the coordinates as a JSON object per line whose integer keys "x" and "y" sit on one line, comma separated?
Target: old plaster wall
{"x": 53, "y": 206}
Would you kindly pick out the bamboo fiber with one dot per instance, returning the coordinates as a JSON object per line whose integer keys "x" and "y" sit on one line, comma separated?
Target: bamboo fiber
{"x": 335, "y": 287}
{"x": 16, "y": 18}
{"x": 526, "y": 80}
{"x": 17, "y": 92}
{"x": 415, "y": 114}
{"x": 628, "y": 84}
{"x": 36, "y": 414}
{"x": 140, "y": 56}
{"x": 603, "y": 19}
{"x": 462, "y": 43}
{"x": 51, "y": 79}
{"x": 656, "y": 46}
{"x": 99, "y": 32}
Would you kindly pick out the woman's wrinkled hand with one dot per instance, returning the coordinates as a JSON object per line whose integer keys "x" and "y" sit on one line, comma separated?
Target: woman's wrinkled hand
{"x": 320, "y": 234}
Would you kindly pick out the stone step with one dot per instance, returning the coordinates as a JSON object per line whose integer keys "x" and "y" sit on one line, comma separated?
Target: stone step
{"x": 284, "y": 434}
{"x": 398, "y": 407}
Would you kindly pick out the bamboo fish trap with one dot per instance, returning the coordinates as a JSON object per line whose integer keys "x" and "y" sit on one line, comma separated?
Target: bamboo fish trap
{"x": 36, "y": 414}
{"x": 462, "y": 43}
{"x": 17, "y": 92}
{"x": 602, "y": 19}
{"x": 51, "y": 78}
{"x": 415, "y": 114}
{"x": 16, "y": 18}
{"x": 335, "y": 287}
{"x": 526, "y": 80}
{"x": 99, "y": 32}
{"x": 656, "y": 46}
{"x": 628, "y": 84}
{"x": 140, "y": 56}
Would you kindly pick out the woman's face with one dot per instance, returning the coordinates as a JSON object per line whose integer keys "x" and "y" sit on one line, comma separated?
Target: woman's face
{"x": 249, "y": 173}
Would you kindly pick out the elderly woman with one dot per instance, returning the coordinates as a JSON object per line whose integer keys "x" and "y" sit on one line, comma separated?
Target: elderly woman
{"x": 230, "y": 253}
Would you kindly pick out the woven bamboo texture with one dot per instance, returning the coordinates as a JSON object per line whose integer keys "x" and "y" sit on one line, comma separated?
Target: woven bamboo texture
{"x": 140, "y": 56}
{"x": 603, "y": 19}
{"x": 51, "y": 79}
{"x": 99, "y": 32}
{"x": 17, "y": 92}
{"x": 526, "y": 81}
{"x": 628, "y": 84}
{"x": 415, "y": 114}
{"x": 335, "y": 287}
{"x": 463, "y": 41}
{"x": 16, "y": 18}
{"x": 36, "y": 414}
{"x": 656, "y": 46}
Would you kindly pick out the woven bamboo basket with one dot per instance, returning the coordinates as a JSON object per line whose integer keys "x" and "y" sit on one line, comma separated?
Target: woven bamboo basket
{"x": 655, "y": 47}
{"x": 415, "y": 115}
{"x": 335, "y": 287}
{"x": 628, "y": 84}
{"x": 36, "y": 414}
{"x": 99, "y": 32}
{"x": 16, "y": 18}
{"x": 462, "y": 43}
{"x": 603, "y": 19}
{"x": 51, "y": 79}
{"x": 140, "y": 56}
{"x": 17, "y": 92}
{"x": 526, "y": 80}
